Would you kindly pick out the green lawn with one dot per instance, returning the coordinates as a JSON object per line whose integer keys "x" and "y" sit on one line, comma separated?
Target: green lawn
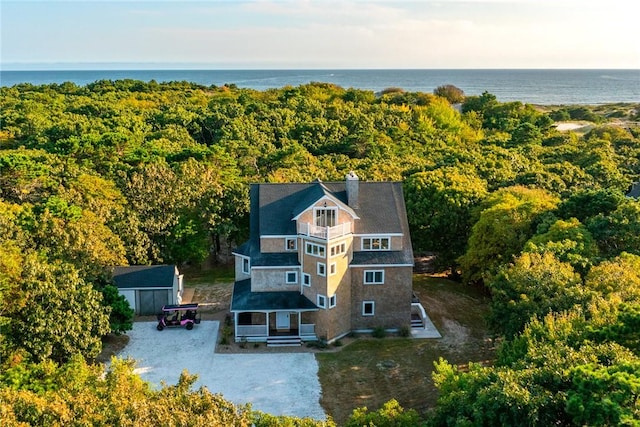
{"x": 218, "y": 274}
{"x": 369, "y": 371}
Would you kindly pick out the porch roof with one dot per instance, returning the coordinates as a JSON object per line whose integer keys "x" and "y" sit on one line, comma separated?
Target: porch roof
{"x": 245, "y": 300}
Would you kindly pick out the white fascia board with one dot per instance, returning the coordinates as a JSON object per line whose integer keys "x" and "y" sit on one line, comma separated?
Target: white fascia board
{"x": 379, "y": 235}
{"x": 314, "y": 239}
{"x": 278, "y": 236}
{"x": 240, "y": 255}
{"x": 289, "y": 310}
{"x": 380, "y": 265}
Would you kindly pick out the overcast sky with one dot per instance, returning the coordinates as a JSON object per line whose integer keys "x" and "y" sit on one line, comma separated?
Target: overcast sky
{"x": 322, "y": 34}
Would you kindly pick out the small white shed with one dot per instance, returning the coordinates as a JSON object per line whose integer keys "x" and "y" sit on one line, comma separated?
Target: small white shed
{"x": 149, "y": 287}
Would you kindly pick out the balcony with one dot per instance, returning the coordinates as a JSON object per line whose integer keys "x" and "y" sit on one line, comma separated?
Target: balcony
{"x": 326, "y": 233}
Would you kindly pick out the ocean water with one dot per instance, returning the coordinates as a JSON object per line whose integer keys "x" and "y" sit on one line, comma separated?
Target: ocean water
{"x": 544, "y": 87}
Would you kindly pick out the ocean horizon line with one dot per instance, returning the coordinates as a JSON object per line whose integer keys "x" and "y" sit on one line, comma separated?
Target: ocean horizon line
{"x": 536, "y": 86}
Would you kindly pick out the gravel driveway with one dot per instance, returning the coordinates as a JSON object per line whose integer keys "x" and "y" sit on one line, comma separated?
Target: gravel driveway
{"x": 276, "y": 383}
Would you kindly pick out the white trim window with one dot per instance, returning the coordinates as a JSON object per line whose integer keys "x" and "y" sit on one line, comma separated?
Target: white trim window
{"x": 306, "y": 279}
{"x": 321, "y": 301}
{"x": 322, "y": 269}
{"x": 314, "y": 250}
{"x": 368, "y": 308}
{"x": 332, "y": 301}
{"x": 291, "y": 244}
{"x": 376, "y": 244}
{"x": 291, "y": 277}
{"x": 374, "y": 277}
{"x": 333, "y": 269}
{"x": 246, "y": 265}
{"x": 338, "y": 249}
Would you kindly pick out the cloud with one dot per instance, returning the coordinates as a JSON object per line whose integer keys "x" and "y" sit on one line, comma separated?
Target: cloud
{"x": 334, "y": 34}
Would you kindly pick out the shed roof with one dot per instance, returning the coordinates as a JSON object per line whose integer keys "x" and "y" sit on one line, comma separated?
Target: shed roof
{"x": 144, "y": 276}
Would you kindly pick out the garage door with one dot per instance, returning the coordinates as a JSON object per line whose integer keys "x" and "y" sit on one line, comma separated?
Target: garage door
{"x": 151, "y": 302}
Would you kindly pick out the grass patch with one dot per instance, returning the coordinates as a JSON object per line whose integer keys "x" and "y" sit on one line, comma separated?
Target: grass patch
{"x": 217, "y": 274}
{"x": 369, "y": 372}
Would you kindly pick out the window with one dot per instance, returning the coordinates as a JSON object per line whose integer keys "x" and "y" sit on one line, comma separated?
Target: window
{"x": 368, "y": 308}
{"x": 373, "y": 277}
{"x": 376, "y": 244}
{"x": 332, "y": 269}
{"x": 314, "y": 250}
{"x": 291, "y": 277}
{"x": 322, "y": 269}
{"x": 326, "y": 217}
{"x": 338, "y": 249}
{"x": 245, "y": 265}
{"x": 291, "y": 244}
{"x": 332, "y": 301}
{"x": 306, "y": 279}
{"x": 322, "y": 301}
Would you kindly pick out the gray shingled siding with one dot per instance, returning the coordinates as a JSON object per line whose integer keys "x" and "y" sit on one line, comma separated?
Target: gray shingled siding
{"x": 392, "y": 299}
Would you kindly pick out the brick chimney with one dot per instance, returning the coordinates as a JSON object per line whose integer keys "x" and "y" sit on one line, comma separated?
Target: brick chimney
{"x": 352, "y": 189}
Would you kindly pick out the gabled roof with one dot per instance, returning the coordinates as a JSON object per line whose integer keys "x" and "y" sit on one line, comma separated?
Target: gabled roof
{"x": 380, "y": 208}
{"x": 144, "y": 276}
{"x": 315, "y": 193}
{"x": 634, "y": 191}
{"x": 245, "y": 300}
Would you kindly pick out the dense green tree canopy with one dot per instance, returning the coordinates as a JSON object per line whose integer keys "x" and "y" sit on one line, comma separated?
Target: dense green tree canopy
{"x": 119, "y": 172}
{"x": 505, "y": 223}
{"x": 440, "y": 204}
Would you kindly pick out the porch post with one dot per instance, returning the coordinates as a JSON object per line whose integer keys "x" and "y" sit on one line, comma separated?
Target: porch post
{"x": 235, "y": 326}
{"x": 267, "y": 325}
{"x": 299, "y": 323}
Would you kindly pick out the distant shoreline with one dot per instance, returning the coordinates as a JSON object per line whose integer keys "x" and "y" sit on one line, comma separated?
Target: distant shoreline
{"x": 532, "y": 86}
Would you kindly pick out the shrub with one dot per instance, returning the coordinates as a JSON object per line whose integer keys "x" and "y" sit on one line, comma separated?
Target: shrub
{"x": 451, "y": 93}
{"x": 321, "y": 344}
{"x": 404, "y": 331}
{"x": 560, "y": 115}
{"x": 226, "y": 334}
{"x": 379, "y": 332}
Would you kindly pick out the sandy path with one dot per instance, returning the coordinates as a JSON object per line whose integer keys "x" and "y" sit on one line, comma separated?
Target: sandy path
{"x": 276, "y": 383}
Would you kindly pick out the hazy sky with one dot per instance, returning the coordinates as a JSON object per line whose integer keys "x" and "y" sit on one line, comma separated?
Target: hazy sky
{"x": 323, "y": 34}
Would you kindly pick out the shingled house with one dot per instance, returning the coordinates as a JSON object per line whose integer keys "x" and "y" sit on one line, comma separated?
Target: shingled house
{"x": 323, "y": 259}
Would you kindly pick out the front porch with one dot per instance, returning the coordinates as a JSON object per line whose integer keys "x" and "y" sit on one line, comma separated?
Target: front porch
{"x": 273, "y": 327}
{"x": 285, "y": 318}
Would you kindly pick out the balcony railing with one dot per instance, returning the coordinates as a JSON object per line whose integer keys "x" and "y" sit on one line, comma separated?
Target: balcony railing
{"x": 261, "y": 332}
{"x": 307, "y": 329}
{"x": 326, "y": 233}
{"x": 252, "y": 330}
